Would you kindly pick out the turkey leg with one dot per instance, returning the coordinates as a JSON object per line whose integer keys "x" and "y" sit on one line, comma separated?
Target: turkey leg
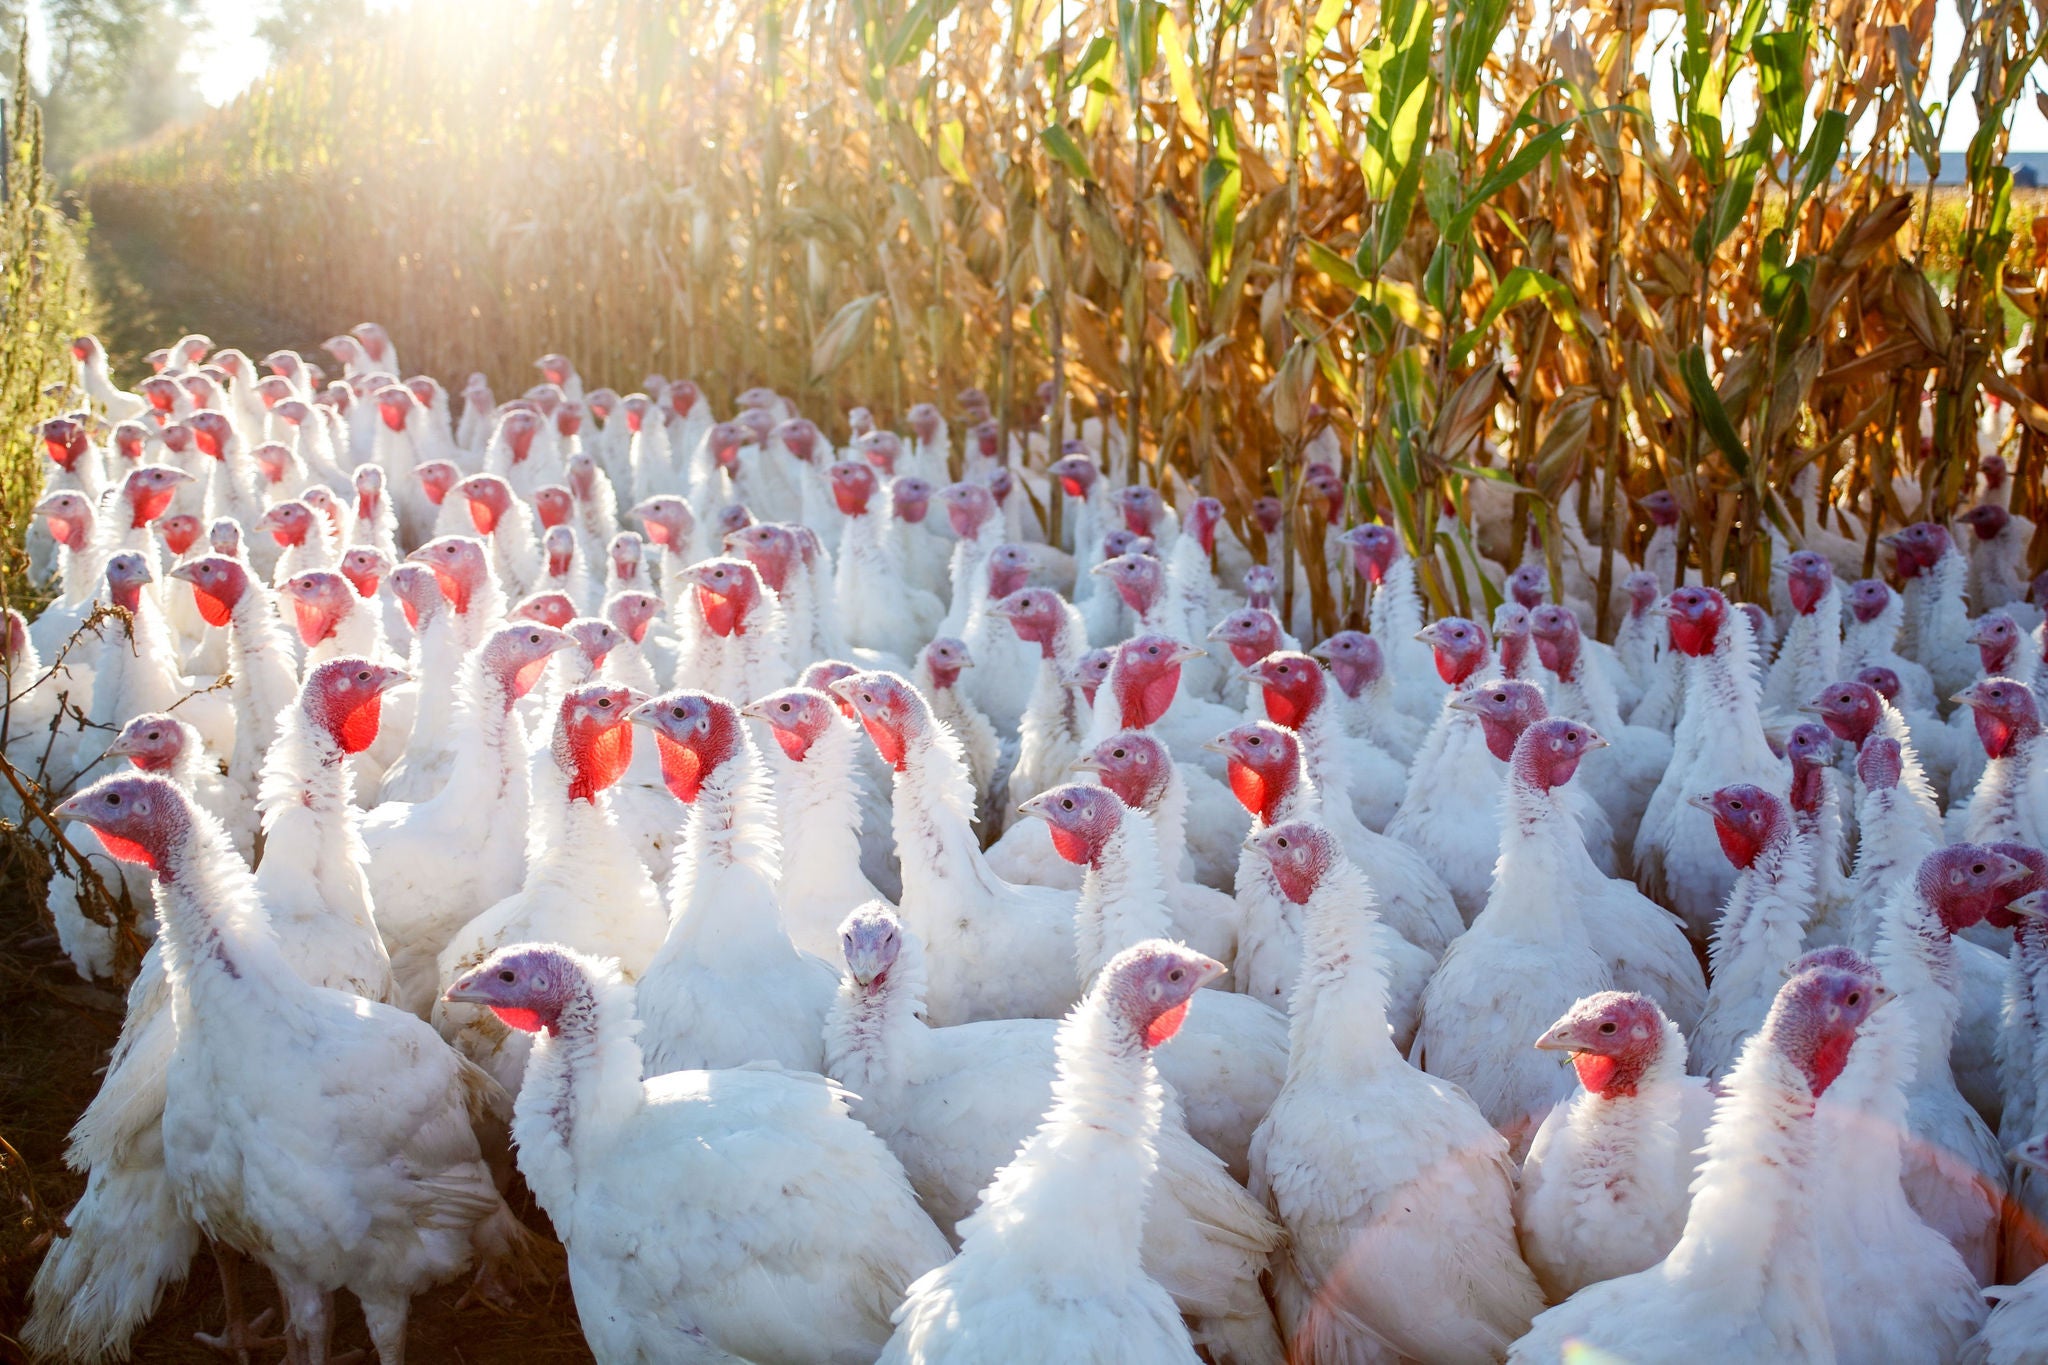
{"x": 242, "y": 1334}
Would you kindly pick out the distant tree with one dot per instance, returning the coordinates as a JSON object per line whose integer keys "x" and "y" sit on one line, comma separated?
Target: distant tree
{"x": 299, "y": 25}
{"x": 114, "y": 74}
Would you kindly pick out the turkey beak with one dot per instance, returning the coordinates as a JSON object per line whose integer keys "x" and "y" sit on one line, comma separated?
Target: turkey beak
{"x": 1557, "y": 1040}
{"x": 1321, "y": 651}
{"x": 120, "y": 748}
{"x": 73, "y": 809}
{"x": 1208, "y": 971}
{"x": 1087, "y": 763}
{"x": 1811, "y": 708}
{"x": 389, "y": 678}
{"x": 1594, "y": 742}
{"x": 1219, "y": 745}
{"x": 2013, "y": 871}
{"x": 1182, "y": 653}
{"x": 473, "y": 989}
{"x": 1037, "y": 808}
{"x": 647, "y": 713}
{"x": 1427, "y": 634}
{"x": 1216, "y": 631}
{"x": 1465, "y": 701}
{"x": 1965, "y": 697}
{"x": 752, "y": 709}
{"x": 2033, "y": 905}
{"x": 1705, "y": 803}
{"x": 1101, "y": 568}
{"x": 1980, "y": 636}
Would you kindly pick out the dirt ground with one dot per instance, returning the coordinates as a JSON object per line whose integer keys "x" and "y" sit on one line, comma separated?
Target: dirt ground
{"x": 55, "y": 1032}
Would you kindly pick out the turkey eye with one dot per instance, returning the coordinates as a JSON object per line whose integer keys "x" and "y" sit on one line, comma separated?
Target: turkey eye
{"x": 1855, "y": 997}
{"x": 604, "y": 703}
{"x": 677, "y": 713}
{"x": 1175, "y": 974}
{"x": 154, "y": 735}
{"x": 1977, "y": 869}
{"x": 113, "y": 798}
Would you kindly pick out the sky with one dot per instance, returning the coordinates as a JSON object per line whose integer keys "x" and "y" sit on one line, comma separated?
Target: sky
{"x": 230, "y": 57}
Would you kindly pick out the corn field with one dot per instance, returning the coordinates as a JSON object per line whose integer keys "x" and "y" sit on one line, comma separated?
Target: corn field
{"x": 1454, "y": 233}
{"x": 43, "y": 304}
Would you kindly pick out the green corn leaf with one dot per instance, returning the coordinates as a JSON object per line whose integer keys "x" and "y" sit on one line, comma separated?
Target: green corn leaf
{"x": 1707, "y": 407}
{"x": 1222, "y": 184}
{"x": 1517, "y": 287}
{"x": 952, "y": 145}
{"x": 1822, "y": 150}
{"x": 1781, "y": 83}
{"x": 1066, "y": 151}
{"x": 1334, "y": 267}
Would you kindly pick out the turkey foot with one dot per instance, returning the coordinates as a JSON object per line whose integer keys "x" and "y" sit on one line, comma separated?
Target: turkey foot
{"x": 242, "y": 1333}
{"x": 490, "y": 1288}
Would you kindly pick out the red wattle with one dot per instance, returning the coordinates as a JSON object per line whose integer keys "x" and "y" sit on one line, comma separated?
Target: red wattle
{"x": 1166, "y": 1025}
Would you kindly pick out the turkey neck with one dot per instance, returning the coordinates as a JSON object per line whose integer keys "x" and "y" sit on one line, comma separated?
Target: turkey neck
{"x": 1123, "y": 898}
{"x": 1994, "y": 806}
{"x": 218, "y": 946}
{"x": 1073, "y": 1199}
{"x": 1892, "y": 839}
{"x": 1860, "y": 1121}
{"x": 1865, "y": 643}
{"x": 1623, "y": 1136}
{"x": 1820, "y": 830}
{"x": 1543, "y": 858}
{"x": 436, "y": 653}
{"x": 968, "y": 572}
{"x": 266, "y": 681}
{"x": 1051, "y": 723}
{"x": 1396, "y": 610}
{"x": 136, "y": 674}
{"x": 489, "y": 743}
{"x": 1720, "y": 722}
{"x": 1338, "y": 1011}
{"x": 1748, "y": 1229}
{"x": 1764, "y": 921}
{"x": 729, "y": 834}
{"x": 940, "y": 856}
{"x": 574, "y": 843}
{"x": 1584, "y": 692}
{"x": 2023, "y": 1050}
{"x": 581, "y": 1088}
{"x": 875, "y": 1036}
{"x": 306, "y": 770}
{"x": 1169, "y": 816}
{"x": 1936, "y": 619}
{"x": 818, "y": 802}
{"x": 1318, "y": 734}
{"x": 1811, "y": 656}
{"x": 1917, "y": 959}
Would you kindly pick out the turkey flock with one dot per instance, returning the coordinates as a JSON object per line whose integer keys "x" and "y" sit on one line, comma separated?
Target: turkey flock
{"x": 874, "y": 929}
